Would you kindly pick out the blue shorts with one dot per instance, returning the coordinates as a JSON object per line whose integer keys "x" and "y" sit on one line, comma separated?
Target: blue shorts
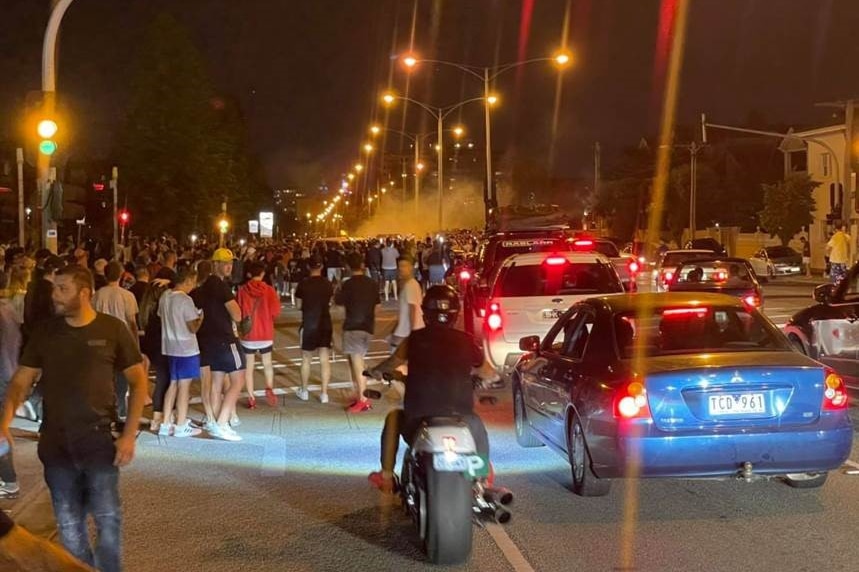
{"x": 222, "y": 357}
{"x": 389, "y": 275}
{"x": 187, "y": 367}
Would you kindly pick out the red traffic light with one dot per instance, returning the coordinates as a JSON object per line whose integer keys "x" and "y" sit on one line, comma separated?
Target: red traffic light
{"x": 98, "y": 187}
{"x": 124, "y": 217}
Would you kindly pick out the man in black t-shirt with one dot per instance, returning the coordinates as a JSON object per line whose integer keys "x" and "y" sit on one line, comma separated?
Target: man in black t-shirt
{"x": 314, "y": 299}
{"x": 441, "y": 361}
{"x": 360, "y": 296}
{"x": 75, "y": 356}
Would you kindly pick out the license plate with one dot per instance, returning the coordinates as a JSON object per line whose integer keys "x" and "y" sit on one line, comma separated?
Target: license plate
{"x": 475, "y": 465}
{"x": 552, "y": 314}
{"x": 737, "y": 403}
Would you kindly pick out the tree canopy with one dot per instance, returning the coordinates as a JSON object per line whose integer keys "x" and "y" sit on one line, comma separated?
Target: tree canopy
{"x": 788, "y": 206}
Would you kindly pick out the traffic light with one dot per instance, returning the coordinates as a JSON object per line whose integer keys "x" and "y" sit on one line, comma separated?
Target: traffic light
{"x": 124, "y": 216}
{"x": 223, "y": 225}
{"x": 47, "y": 129}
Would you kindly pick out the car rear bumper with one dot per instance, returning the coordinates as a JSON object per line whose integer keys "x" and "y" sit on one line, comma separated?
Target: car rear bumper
{"x": 500, "y": 353}
{"x": 822, "y": 446}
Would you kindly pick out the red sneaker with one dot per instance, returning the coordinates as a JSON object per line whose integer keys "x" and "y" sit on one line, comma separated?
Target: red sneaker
{"x": 270, "y": 397}
{"x": 359, "y": 406}
{"x": 381, "y": 482}
{"x": 252, "y": 402}
{"x": 490, "y": 479}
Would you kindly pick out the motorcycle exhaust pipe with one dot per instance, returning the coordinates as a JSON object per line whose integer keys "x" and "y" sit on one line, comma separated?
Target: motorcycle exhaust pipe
{"x": 499, "y": 495}
{"x": 502, "y": 515}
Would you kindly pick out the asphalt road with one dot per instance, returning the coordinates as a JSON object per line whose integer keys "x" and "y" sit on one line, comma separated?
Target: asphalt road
{"x": 293, "y": 496}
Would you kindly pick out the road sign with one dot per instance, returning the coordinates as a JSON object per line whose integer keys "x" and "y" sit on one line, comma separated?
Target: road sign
{"x": 266, "y": 224}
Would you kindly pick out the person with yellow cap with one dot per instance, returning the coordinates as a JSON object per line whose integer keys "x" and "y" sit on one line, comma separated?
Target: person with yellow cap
{"x": 220, "y": 354}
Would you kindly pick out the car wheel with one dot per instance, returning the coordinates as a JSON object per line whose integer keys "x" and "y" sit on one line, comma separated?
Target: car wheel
{"x": 524, "y": 435}
{"x": 806, "y": 480}
{"x": 585, "y": 482}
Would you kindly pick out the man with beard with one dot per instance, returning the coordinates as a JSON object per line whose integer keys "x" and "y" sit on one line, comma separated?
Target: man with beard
{"x": 75, "y": 356}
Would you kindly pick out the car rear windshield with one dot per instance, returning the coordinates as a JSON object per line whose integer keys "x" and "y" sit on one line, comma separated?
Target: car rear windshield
{"x": 603, "y": 247}
{"x": 696, "y": 330}
{"x": 556, "y": 280}
{"x": 713, "y": 274}
{"x": 677, "y": 258}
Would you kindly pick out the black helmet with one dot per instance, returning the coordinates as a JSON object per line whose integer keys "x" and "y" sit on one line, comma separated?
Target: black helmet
{"x": 440, "y": 305}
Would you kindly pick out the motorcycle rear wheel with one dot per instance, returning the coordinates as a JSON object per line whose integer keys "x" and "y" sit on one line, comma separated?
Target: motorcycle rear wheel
{"x": 449, "y": 515}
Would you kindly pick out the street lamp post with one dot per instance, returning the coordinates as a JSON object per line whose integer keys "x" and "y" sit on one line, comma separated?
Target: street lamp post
{"x": 487, "y": 75}
{"x": 439, "y": 113}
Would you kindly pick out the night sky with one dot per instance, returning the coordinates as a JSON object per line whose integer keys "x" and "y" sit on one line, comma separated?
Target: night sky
{"x": 308, "y": 73}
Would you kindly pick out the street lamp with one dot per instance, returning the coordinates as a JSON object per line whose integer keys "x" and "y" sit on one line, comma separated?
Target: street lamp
{"x": 359, "y": 167}
{"x": 439, "y": 113}
{"x": 368, "y": 147}
{"x": 375, "y": 129}
{"x": 487, "y": 74}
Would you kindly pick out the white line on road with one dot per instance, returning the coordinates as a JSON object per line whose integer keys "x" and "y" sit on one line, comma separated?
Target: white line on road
{"x": 508, "y": 548}
{"x": 292, "y": 390}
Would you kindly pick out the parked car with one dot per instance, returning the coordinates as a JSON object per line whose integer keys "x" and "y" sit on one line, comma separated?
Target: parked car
{"x": 720, "y": 394}
{"x": 828, "y": 330}
{"x": 775, "y": 261}
{"x": 532, "y": 290}
{"x": 663, "y": 274}
{"x": 707, "y": 244}
{"x": 731, "y": 276}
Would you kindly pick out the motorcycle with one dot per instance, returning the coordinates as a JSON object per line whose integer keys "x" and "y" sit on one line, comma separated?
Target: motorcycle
{"x": 444, "y": 485}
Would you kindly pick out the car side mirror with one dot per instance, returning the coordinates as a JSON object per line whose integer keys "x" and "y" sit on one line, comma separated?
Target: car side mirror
{"x": 823, "y": 293}
{"x": 529, "y": 343}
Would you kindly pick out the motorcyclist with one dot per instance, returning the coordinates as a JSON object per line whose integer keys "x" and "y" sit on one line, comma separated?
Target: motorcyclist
{"x": 441, "y": 362}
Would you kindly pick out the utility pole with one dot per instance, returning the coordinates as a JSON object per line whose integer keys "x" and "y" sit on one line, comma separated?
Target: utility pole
{"x": 440, "y": 128}
{"x": 693, "y": 187}
{"x": 19, "y": 156}
{"x": 597, "y": 167}
{"x": 845, "y": 178}
{"x": 114, "y": 185}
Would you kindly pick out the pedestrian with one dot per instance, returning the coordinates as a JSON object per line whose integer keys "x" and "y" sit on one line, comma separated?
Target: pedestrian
{"x": 806, "y": 255}
{"x": 119, "y": 303}
{"x": 314, "y": 295}
{"x": 10, "y": 346}
{"x": 435, "y": 263}
{"x": 373, "y": 260}
{"x": 180, "y": 321}
{"x": 334, "y": 263}
{"x": 99, "y": 267}
{"x": 359, "y": 296}
{"x": 219, "y": 347}
{"x": 75, "y": 357}
{"x": 389, "y": 268}
{"x": 21, "y": 551}
{"x": 410, "y": 316}
{"x": 259, "y": 302}
{"x": 839, "y": 254}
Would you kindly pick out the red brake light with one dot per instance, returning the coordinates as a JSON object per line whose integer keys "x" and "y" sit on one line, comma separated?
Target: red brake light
{"x": 752, "y": 301}
{"x": 667, "y": 277}
{"x": 697, "y": 312}
{"x": 493, "y": 319}
{"x": 555, "y": 260}
{"x": 631, "y": 402}
{"x": 465, "y": 275}
{"x": 720, "y": 276}
{"x": 834, "y": 391}
{"x": 633, "y": 266}
{"x": 584, "y": 243}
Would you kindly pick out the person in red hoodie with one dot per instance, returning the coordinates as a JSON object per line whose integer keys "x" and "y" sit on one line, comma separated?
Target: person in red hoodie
{"x": 259, "y": 301}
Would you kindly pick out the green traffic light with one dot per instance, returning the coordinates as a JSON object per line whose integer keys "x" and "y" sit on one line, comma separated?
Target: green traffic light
{"x": 47, "y": 147}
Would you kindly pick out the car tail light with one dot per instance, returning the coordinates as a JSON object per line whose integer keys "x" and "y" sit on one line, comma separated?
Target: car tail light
{"x": 834, "y": 391}
{"x": 631, "y": 402}
{"x": 720, "y": 275}
{"x": 752, "y": 301}
{"x": 583, "y": 243}
{"x": 556, "y": 260}
{"x": 667, "y": 277}
{"x": 465, "y": 275}
{"x": 493, "y": 318}
{"x": 633, "y": 266}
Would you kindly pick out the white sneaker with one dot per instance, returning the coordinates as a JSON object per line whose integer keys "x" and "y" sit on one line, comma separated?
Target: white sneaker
{"x": 9, "y": 490}
{"x": 209, "y": 426}
{"x": 323, "y": 398}
{"x": 165, "y": 430}
{"x": 224, "y": 433}
{"x": 302, "y": 394}
{"x": 235, "y": 421}
{"x": 186, "y": 430}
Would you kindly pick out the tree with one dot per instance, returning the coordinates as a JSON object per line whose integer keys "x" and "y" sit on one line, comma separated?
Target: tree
{"x": 622, "y": 203}
{"x": 183, "y": 149}
{"x": 788, "y": 206}
{"x": 707, "y": 202}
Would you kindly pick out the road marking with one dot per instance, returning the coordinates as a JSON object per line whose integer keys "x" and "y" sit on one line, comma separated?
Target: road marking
{"x": 508, "y": 548}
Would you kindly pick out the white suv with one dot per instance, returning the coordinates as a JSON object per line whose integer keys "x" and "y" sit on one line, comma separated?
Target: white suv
{"x": 531, "y": 291}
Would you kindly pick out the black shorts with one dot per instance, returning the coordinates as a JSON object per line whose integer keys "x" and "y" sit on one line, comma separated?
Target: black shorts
{"x": 223, "y": 357}
{"x": 311, "y": 340}
{"x": 251, "y": 351}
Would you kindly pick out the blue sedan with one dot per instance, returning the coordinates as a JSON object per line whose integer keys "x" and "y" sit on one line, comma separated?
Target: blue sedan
{"x": 678, "y": 385}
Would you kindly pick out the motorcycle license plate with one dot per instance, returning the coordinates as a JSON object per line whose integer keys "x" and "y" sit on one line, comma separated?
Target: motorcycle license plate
{"x": 475, "y": 465}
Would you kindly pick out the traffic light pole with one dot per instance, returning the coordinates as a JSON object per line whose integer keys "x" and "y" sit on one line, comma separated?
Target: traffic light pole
{"x": 114, "y": 184}
{"x": 19, "y": 156}
{"x": 49, "y": 87}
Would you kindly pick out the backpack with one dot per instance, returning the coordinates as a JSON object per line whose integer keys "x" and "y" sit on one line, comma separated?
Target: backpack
{"x": 149, "y": 304}
{"x": 247, "y": 323}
